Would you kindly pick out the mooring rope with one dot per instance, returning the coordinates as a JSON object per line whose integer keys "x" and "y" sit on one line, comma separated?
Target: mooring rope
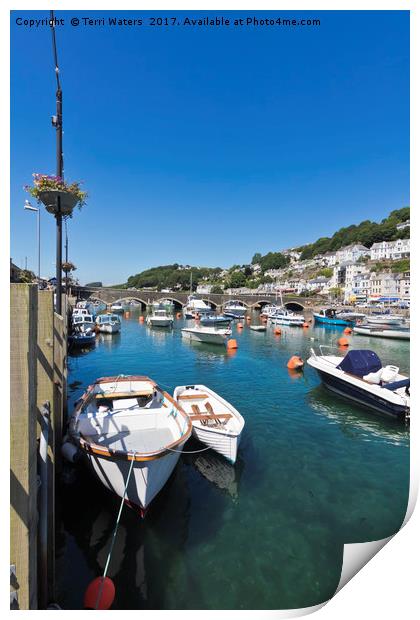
{"x": 188, "y": 452}
{"x": 114, "y": 533}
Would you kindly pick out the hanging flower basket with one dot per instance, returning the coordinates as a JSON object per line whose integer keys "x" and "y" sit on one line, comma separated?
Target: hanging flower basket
{"x": 52, "y": 190}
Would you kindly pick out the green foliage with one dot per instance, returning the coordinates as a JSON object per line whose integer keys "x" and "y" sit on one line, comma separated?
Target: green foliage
{"x": 237, "y": 279}
{"x": 274, "y": 260}
{"x": 172, "y": 277}
{"x": 217, "y": 290}
{"x": 26, "y": 276}
{"x": 256, "y": 258}
{"x": 399, "y": 266}
{"x": 367, "y": 233}
{"x": 326, "y": 272}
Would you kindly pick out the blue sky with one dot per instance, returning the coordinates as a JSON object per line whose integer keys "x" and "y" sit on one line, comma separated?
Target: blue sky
{"x": 203, "y": 146}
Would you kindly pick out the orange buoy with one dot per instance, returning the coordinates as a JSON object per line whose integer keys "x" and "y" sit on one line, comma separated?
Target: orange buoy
{"x": 277, "y": 331}
{"x": 295, "y": 363}
{"x": 239, "y": 326}
{"x": 178, "y": 315}
{"x": 348, "y": 330}
{"x": 248, "y": 318}
{"x": 232, "y": 344}
{"x": 305, "y": 325}
{"x": 141, "y": 319}
{"x": 343, "y": 342}
{"x": 127, "y": 315}
{"x": 100, "y": 594}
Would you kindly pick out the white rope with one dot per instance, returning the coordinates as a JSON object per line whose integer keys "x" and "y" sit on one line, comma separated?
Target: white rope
{"x": 188, "y": 452}
{"x": 114, "y": 533}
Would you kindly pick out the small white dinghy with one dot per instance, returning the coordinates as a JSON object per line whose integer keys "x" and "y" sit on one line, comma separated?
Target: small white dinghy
{"x": 214, "y": 421}
{"x": 129, "y": 418}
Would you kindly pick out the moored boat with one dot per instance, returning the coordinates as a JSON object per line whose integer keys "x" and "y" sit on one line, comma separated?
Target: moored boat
{"x": 211, "y": 318}
{"x": 81, "y": 338}
{"x": 195, "y": 306}
{"x": 117, "y": 307}
{"x": 234, "y": 310}
{"x": 208, "y": 334}
{"x": 160, "y": 318}
{"x": 283, "y": 316}
{"x": 328, "y": 316}
{"x": 258, "y": 328}
{"x": 360, "y": 377}
{"x": 379, "y": 331}
{"x": 108, "y": 323}
{"x": 82, "y": 322}
{"x": 385, "y": 319}
{"x": 215, "y": 422}
{"x": 129, "y": 420}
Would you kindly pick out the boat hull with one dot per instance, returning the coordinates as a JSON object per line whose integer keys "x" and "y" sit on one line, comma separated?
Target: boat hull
{"x": 376, "y": 332}
{"x": 160, "y": 322}
{"x": 361, "y": 396}
{"x": 225, "y": 444}
{"x": 324, "y": 320}
{"x": 107, "y": 328}
{"x": 146, "y": 480}
{"x": 204, "y": 337}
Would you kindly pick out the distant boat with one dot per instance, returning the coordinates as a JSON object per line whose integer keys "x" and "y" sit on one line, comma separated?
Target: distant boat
{"x": 83, "y": 322}
{"x": 117, "y": 307}
{"x": 378, "y": 331}
{"x": 128, "y": 423}
{"x": 258, "y": 328}
{"x": 195, "y": 306}
{"x": 283, "y": 316}
{"x": 234, "y": 310}
{"x": 328, "y": 316}
{"x": 160, "y": 318}
{"x": 385, "y": 319}
{"x": 215, "y": 422}
{"x": 211, "y": 335}
{"x": 211, "y": 318}
{"x": 361, "y": 377}
{"x": 269, "y": 309}
{"x": 108, "y": 323}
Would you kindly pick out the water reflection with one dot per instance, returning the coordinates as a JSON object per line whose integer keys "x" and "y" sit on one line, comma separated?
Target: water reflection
{"x": 355, "y": 421}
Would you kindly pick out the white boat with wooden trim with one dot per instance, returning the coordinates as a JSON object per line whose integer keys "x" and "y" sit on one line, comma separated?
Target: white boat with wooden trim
{"x": 160, "y": 318}
{"x": 214, "y": 421}
{"x": 208, "y": 334}
{"x": 130, "y": 418}
{"x": 108, "y": 323}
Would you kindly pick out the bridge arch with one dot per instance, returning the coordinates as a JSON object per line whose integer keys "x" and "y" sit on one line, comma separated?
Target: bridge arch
{"x": 211, "y": 303}
{"x": 294, "y": 306}
{"x": 95, "y": 298}
{"x": 129, "y": 298}
{"x": 177, "y": 303}
{"x": 261, "y": 303}
{"x": 236, "y": 301}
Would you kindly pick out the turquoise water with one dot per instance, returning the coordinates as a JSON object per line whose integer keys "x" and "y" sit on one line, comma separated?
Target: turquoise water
{"x": 313, "y": 473}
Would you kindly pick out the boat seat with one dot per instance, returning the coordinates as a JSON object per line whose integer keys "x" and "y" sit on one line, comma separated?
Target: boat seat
{"x": 212, "y": 413}
{"x": 197, "y": 396}
{"x": 208, "y": 416}
{"x": 114, "y": 395}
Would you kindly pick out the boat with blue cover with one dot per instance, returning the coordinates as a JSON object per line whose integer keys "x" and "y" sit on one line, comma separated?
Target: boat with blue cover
{"x": 361, "y": 377}
{"x": 211, "y": 318}
{"x": 329, "y": 316}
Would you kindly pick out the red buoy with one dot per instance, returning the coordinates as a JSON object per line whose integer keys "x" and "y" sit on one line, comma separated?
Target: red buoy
{"x": 343, "y": 342}
{"x": 100, "y": 594}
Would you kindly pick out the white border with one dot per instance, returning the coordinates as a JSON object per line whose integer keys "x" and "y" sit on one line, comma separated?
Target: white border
{"x": 387, "y": 586}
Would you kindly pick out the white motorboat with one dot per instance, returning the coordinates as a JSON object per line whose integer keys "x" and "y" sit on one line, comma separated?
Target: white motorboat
{"x": 234, "y": 310}
{"x": 127, "y": 420}
{"x": 214, "y": 421}
{"x": 269, "y": 309}
{"x": 258, "y": 328}
{"x": 83, "y": 322}
{"x": 283, "y": 316}
{"x": 108, "y": 323}
{"x": 117, "y": 307}
{"x": 160, "y": 318}
{"x": 195, "y": 306}
{"x": 383, "y": 331}
{"x": 385, "y": 319}
{"x": 361, "y": 377}
{"x": 211, "y": 335}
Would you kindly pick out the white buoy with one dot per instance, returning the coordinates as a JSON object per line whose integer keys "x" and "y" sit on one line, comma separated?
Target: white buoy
{"x": 69, "y": 451}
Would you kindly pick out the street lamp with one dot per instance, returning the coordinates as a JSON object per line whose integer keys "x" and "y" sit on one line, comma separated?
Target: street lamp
{"x": 28, "y": 207}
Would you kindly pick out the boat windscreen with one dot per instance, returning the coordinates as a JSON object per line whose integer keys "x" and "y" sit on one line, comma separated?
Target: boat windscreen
{"x": 360, "y": 362}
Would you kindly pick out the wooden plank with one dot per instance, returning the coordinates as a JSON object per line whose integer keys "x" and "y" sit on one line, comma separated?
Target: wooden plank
{"x": 23, "y": 444}
{"x": 192, "y": 396}
{"x": 114, "y": 395}
{"x": 208, "y": 416}
{"x": 45, "y": 393}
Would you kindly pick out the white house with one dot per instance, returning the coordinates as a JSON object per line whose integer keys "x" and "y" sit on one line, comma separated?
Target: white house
{"x": 390, "y": 250}
{"x": 351, "y": 252}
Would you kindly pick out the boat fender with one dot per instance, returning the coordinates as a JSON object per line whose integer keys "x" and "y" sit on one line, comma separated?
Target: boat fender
{"x": 100, "y": 594}
{"x": 347, "y": 330}
{"x": 239, "y": 326}
{"x": 343, "y": 342}
{"x": 70, "y": 452}
{"x": 389, "y": 373}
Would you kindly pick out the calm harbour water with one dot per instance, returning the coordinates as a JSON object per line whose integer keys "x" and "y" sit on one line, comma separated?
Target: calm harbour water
{"x": 313, "y": 472}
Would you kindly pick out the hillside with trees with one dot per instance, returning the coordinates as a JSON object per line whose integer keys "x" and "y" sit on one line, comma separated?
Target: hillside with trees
{"x": 367, "y": 233}
{"x": 174, "y": 277}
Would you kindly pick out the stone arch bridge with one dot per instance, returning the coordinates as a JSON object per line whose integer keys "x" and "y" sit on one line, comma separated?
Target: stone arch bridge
{"x": 215, "y": 300}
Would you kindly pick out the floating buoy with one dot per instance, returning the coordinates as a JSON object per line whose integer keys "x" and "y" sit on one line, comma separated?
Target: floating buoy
{"x": 127, "y": 315}
{"x": 277, "y": 331}
{"x": 232, "y": 344}
{"x": 178, "y": 315}
{"x": 100, "y": 594}
{"x": 239, "y": 326}
{"x": 343, "y": 342}
{"x": 295, "y": 363}
{"x": 305, "y": 325}
{"x": 248, "y": 318}
{"x": 141, "y": 319}
{"x": 348, "y": 330}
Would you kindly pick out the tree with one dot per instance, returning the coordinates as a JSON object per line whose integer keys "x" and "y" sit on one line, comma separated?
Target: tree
{"x": 217, "y": 290}
{"x": 256, "y": 258}
{"x": 327, "y": 272}
{"x": 237, "y": 279}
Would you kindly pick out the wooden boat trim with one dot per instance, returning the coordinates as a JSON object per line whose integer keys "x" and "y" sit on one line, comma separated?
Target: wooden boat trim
{"x": 192, "y": 396}
{"x": 99, "y": 450}
{"x": 112, "y": 395}
{"x": 210, "y": 416}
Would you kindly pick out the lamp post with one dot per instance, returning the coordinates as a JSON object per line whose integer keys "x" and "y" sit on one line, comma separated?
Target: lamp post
{"x": 28, "y": 207}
